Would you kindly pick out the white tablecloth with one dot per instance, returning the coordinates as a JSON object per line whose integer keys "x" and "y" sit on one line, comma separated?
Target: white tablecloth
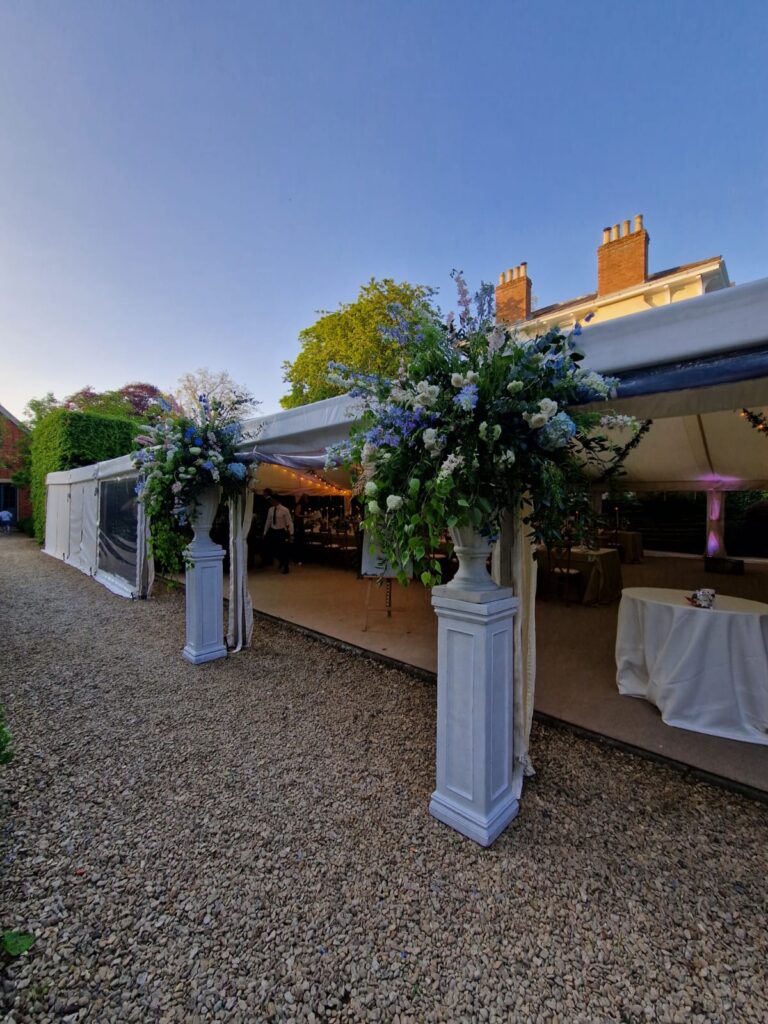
{"x": 705, "y": 670}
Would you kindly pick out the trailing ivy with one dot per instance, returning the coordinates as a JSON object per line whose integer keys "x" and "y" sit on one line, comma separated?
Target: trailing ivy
{"x": 65, "y": 440}
{"x": 617, "y": 462}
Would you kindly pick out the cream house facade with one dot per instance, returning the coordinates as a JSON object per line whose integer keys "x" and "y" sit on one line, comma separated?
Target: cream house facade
{"x": 624, "y": 286}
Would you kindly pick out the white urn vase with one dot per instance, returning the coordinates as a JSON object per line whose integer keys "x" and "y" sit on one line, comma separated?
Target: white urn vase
{"x": 472, "y": 550}
{"x": 201, "y": 519}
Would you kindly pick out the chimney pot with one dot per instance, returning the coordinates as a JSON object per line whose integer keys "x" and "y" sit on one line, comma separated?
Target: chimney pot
{"x": 513, "y": 295}
{"x": 624, "y": 266}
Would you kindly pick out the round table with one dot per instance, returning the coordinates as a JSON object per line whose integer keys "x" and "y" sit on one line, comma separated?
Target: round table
{"x": 705, "y": 669}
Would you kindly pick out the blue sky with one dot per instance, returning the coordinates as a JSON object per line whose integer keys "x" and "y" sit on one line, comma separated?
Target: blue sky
{"x": 185, "y": 184}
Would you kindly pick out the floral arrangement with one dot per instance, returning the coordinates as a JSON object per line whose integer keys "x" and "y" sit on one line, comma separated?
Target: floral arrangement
{"x": 477, "y": 421}
{"x": 181, "y": 455}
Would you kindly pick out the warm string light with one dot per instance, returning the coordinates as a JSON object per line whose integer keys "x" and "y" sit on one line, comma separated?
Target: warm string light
{"x": 314, "y": 482}
{"x": 756, "y": 419}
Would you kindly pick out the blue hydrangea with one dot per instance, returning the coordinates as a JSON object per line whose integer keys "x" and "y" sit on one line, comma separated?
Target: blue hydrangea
{"x": 557, "y": 432}
{"x": 237, "y": 470}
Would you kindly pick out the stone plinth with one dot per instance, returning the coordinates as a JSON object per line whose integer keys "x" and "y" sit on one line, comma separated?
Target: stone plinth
{"x": 475, "y": 749}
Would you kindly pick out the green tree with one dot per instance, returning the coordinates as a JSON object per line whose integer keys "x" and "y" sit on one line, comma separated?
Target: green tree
{"x": 351, "y": 336}
{"x": 37, "y": 408}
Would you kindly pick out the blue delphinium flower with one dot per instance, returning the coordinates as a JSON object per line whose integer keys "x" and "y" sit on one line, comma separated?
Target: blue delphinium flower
{"x": 485, "y": 301}
{"x": 208, "y": 465}
{"x": 398, "y": 331}
{"x": 466, "y": 399}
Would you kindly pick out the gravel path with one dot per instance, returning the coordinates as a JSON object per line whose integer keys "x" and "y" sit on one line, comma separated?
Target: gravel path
{"x": 249, "y": 841}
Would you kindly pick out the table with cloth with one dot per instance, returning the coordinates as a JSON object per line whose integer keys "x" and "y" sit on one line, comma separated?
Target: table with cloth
{"x": 600, "y": 570}
{"x": 705, "y": 669}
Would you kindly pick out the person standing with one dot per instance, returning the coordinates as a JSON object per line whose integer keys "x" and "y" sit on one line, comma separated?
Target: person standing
{"x": 6, "y": 519}
{"x": 277, "y": 529}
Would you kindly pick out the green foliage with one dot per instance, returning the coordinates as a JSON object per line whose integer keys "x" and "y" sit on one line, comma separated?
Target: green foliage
{"x": 351, "y": 336}
{"x": 38, "y": 408}
{"x": 168, "y": 538}
{"x": 6, "y": 749}
{"x": 15, "y": 943}
{"x": 64, "y": 440}
{"x": 27, "y": 526}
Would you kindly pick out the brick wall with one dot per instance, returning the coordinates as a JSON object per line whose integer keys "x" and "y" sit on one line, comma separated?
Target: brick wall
{"x": 10, "y": 437}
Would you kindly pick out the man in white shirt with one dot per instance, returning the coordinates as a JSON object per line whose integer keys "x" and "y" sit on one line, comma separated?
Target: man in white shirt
{"x": 277, "y": 529}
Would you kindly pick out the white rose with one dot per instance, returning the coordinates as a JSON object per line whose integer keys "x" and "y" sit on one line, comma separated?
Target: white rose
{"x": 472, "y": 377}
{"x": 457, "y": 380}
{"x": 394, "y": 502}
{"x": 373, "y": 508}
{"x": 371, "y": 489}
{"x": 537, "y": 420}
{"x": 547, "y": 407}
{"x": 482, "y": 430}
{"x": 496, "y": 432}
{"x": 430, "y": 437}
{"x": 514, "y": 386}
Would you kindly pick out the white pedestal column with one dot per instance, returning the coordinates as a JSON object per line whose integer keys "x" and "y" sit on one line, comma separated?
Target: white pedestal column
{"x": 475, "y": 748}
{"x": 205, "y": 587}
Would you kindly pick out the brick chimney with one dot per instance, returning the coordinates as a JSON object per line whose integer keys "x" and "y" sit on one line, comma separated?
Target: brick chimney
{"x": 622, "y": 259}
{"x": 513, "y": 295}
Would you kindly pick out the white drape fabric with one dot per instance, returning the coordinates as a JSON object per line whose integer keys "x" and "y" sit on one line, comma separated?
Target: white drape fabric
{"x": 145, "y": 563}
{"x": 240, "y": 620}
{"x": 524, "y": 586}
{"x": 514, "y": 566}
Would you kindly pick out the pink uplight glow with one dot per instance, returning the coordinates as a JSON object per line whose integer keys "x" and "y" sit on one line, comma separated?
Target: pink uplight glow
{"x": 713, "y": 544}
{"x": 714, "y": 507}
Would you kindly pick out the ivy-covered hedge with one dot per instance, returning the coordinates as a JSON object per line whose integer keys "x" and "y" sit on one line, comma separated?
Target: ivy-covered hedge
{"x": 66, "y": 440}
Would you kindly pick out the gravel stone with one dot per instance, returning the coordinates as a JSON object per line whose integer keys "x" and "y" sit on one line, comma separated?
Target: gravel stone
{"x": 249, "y": 841}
